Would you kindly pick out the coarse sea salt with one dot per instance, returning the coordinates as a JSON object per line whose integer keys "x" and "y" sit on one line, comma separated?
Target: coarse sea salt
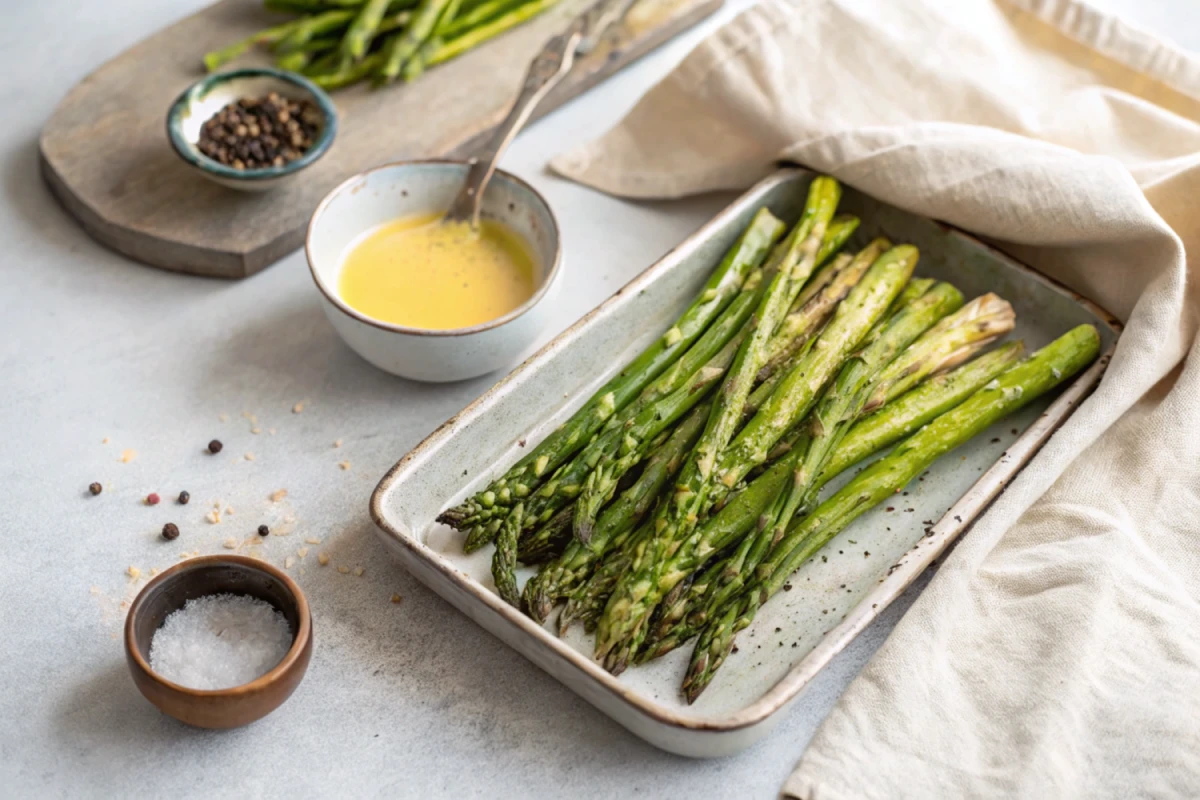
{"x": 219, "y": 641}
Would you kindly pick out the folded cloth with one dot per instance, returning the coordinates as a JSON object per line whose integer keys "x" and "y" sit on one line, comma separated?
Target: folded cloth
{"x": 1057, "y": 651}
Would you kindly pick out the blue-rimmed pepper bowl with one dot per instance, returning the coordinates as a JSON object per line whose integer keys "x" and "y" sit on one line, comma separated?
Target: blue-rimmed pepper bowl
{"x": 203, "y": 99}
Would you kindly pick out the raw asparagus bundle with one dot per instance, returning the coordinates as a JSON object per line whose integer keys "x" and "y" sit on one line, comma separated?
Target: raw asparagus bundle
{"x": 337, "y": 43}
{"x": 1012, "y": 390}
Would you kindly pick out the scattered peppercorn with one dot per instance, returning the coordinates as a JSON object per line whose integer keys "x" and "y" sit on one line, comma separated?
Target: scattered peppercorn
{"x": 170, "y": 531}
{"x": 263, "y": 530}
{"x": 153, "y": 499}
{"x": 260, "y": 132}
{"x": 184, "y": 496}
{"x": 95, "y": 488}
{"x": 215, "y": 446}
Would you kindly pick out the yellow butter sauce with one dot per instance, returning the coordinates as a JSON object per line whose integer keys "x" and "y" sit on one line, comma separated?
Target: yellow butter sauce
{"x": 421, "y": 272}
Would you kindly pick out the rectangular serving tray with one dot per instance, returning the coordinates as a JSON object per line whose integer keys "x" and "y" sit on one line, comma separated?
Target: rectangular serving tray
{"x": 835, "y": 597}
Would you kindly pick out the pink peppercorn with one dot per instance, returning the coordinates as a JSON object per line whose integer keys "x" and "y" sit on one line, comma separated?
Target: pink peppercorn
{"x": 152, "y": 499}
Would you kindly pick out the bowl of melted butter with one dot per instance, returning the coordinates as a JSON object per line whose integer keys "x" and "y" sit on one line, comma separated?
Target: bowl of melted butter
{"x": 428, "y": 299}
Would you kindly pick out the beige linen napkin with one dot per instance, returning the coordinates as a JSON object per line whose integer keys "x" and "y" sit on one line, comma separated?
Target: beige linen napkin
{"x": 1057, "y": 652}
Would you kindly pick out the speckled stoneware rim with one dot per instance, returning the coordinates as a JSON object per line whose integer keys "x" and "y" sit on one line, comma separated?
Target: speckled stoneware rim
{"x": 192, "y": 155}
{"x": 289, "y": 662}
{"x": 548, "y": 276}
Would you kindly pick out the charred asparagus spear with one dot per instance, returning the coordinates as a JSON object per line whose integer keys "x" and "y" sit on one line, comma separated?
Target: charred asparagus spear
{"x": 1012, "y": 390}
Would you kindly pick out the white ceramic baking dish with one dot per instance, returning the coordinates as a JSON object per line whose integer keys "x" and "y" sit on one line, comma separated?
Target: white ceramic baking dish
{"x": 835, "y": 597}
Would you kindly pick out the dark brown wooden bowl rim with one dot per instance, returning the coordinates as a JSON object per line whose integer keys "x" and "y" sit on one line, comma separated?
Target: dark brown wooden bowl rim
{"x": 290, "y": 659}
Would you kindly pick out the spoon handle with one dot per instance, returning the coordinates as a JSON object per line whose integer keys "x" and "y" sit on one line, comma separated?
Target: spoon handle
{"x": 546, "y": 70}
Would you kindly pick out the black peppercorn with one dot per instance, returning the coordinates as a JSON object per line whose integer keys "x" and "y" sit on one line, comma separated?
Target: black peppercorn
{"x": 263, "y": 530}
{"x": 95, "y": 488}
{"x": 184, "y": 497}
{"x": 170, "y": 531}
{"x": 254, "y": 133}
{"x": 215, "y": 446}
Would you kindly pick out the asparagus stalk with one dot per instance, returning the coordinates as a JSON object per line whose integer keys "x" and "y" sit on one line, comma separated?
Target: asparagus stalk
{"x": 481, "y": 13}
{"x": 903, "y": 415}
{"x": 362, "y": 30}
{"x": 577, "y": 562}
{"x": 454, "y": 47}
{"x": 722, "y": 287}
{"x": 623, "y": 626}
{"x": 800, "y": 328}
{"x": 216, "y": 59}
{"x": 627, "y": 610}
{"x": 402, "y": 48}
{"x": 416, "y": 64}
{"x": 306, "y": 29}
{"x": 1015, "y": 388}
{"x": 949, "y": 343}
{"x": 607, "y": 471}
{"x": 785, "y": 346}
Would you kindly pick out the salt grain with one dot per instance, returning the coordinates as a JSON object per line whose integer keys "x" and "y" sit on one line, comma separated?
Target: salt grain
{"x": 220, "y": 641}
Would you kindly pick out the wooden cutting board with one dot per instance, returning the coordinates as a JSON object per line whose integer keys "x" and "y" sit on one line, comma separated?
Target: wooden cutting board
{"x": 104, "y": 152}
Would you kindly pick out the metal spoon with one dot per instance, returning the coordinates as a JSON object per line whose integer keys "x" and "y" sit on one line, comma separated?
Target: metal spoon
{"x": 548, "y": 67}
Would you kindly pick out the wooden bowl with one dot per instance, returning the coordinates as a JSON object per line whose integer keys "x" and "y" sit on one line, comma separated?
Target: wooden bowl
{"x": 197, "y": 577}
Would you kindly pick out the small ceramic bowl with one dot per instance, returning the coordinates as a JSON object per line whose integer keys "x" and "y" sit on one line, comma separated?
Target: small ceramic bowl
{"x": 207, "y": 96}
{"x": 197, "y": 577}
{"x": 396, "y": 190}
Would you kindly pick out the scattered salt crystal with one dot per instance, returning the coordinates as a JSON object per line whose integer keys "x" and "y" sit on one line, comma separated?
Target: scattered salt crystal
{"x": 993, "y": 385}
{"x": 219, "y": 641}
